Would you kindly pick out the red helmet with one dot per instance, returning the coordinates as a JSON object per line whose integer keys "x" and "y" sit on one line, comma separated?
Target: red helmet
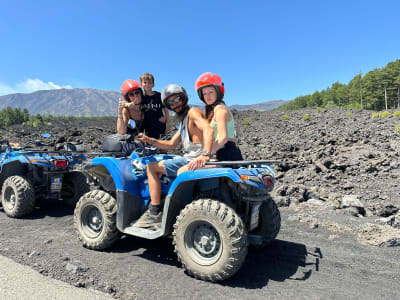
{"x": 209, "y": 79}
{"x": 129, "y": 85}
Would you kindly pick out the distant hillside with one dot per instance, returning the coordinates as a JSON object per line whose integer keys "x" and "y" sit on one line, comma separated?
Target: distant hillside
{"x": 88, "y": 102}
{"x": 264, "y": 106}
{"x": 377, "y": 90}
{"x": 65, "y": 102}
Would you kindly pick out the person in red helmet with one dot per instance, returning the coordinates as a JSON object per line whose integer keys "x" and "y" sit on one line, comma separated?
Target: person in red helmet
{"x": 211, "y": 90}
{"x": 130, "y": 107}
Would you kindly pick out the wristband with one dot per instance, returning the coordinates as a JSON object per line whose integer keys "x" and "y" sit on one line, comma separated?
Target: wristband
{"x": 206, "y": 153}
{"x": 153, "y": 140}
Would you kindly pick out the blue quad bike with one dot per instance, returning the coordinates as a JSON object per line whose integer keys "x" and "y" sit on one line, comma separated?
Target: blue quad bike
{"x": 27, "y": 175}
{"x": 212, "y": 214}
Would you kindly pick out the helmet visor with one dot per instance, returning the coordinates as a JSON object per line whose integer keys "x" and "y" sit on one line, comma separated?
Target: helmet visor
{"x": 173, "y": 101}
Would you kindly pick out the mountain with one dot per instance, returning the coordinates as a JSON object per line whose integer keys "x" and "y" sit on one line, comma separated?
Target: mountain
{"x": 65, "y": 102}
{"x": 87, "y": 102}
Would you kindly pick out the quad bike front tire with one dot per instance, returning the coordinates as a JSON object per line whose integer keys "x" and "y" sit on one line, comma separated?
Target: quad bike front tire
{"x": 74, "y": 186}
{"x": 95, "y": 220}
{"x": 270, "y": 221}
{"x": 17, "y": 197}
{"x": 210, "y": 240}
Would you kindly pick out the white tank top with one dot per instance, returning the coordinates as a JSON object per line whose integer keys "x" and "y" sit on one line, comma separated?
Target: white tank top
{"x": 191, "y": 150}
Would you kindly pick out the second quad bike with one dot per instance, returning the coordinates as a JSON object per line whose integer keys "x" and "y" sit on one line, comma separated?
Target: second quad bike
{"x": 30, "y": 174}
{"x": 212, "y": 214}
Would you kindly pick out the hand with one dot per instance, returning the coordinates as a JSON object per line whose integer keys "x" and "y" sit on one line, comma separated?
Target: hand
{"x": 143, "y": 138}
{"x": 199, "y": 162}
{"x": 163, "y": 119}
{"x": 121, "y": 105}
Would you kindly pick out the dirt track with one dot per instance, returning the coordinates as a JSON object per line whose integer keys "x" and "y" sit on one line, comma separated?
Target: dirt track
{"x": 303, "y": 263}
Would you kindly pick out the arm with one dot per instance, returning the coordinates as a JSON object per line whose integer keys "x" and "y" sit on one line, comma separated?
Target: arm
{"x": 167, "y": 119}
{"x": 208, "y": 135}
{"x": 165, "y": 145}
{"x": 123, "y": 117}
{"x": 221, "y": 118}
{"x": 204, "y": 126}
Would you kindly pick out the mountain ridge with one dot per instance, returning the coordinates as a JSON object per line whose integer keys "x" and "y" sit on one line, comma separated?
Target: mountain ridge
{"x": 87, "y": 102}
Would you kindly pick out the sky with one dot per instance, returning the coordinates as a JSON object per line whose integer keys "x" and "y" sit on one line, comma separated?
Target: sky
{"x": 263, "y": 50}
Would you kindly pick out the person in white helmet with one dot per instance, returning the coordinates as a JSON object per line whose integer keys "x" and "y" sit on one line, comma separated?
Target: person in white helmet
{"x": 196, "y": 135}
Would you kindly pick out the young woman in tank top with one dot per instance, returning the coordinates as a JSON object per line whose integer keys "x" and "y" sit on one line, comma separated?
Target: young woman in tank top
{"x": 210, "y": 89}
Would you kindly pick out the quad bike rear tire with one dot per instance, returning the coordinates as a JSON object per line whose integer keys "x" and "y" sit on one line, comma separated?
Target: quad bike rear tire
{"x": 17, "y": 197}
{"x": 210, "y": 240}
{"x": 270, "y": 221}
{"x": 74, "y": 186}
{"x": 95, "y": 220}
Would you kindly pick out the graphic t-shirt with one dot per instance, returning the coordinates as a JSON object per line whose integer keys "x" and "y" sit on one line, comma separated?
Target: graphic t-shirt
{"x": 153, "y": 111}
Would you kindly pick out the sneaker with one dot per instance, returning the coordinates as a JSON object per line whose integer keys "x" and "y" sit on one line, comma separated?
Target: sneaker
{"x": 148, "y": 220}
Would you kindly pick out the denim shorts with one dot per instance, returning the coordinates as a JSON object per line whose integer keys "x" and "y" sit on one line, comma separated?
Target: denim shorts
{"x": 172, "y": 166}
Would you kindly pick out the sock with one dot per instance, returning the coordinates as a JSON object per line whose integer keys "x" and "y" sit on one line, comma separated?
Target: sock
{"x": 155, "y": 209}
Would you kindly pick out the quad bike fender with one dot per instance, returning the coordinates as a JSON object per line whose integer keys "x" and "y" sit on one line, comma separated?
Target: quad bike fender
{"x": 12, "y": 161}
{"x": 181, "y": 191}
{"x": 207, "y": 174}
{"x": 119, "y": 169}
{"x": 188, "y": 178}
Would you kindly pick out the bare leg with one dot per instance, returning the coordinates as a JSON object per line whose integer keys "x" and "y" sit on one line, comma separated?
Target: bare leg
{"x": 154, "y": 170}
{"x": 151, "y": 219}
{"x": 182, "y": 169}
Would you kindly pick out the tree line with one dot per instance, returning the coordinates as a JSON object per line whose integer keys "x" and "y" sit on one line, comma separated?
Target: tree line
{"x": 12, "y": 116}
{"x": 379, "y": 89}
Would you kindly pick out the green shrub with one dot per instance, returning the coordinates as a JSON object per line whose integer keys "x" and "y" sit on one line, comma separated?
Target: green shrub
{"x": 397, "y": 128}
{"x": 306, "y": 117}
{"x": 375, "y": 115}
{"x": 286, "y": 117}
{"x": 320, "y": 110}
{"x": 384, "y": 114}
{"x": 331, "y": 112}
{"x": 349, "y": 113}
{"x": 246, "y": 122}
{"x": 396, "y": 113}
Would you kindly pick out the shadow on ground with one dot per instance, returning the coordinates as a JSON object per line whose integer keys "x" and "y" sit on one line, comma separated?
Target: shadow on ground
{"x": 278, "y": 261}
{"x": 48, "y": 208}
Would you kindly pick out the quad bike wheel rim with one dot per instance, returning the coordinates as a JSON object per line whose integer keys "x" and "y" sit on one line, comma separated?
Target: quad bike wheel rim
{"x": 10, "y": 198}
{"x": 92, "y": 221}
{"x": 203, "y": 243}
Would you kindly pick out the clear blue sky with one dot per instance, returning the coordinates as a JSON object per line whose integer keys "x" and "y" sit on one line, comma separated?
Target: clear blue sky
{"x": 263, "y": 50}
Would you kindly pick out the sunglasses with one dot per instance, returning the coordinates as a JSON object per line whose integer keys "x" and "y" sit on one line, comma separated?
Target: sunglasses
{"x": 173, "y": 101}
{"x": 134, "y": 93}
